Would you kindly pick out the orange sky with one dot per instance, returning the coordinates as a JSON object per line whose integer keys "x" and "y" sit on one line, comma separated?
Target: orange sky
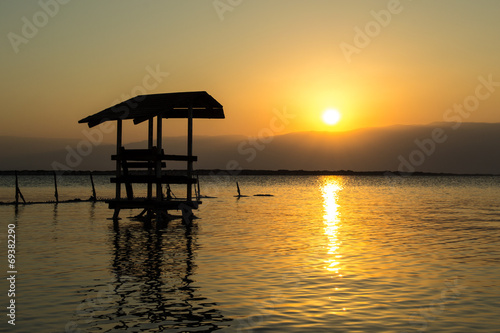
{"x": 63, "y": 61}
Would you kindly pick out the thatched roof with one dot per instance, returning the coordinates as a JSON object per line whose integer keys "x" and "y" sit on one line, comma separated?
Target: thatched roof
{"x": 169, "y": 105}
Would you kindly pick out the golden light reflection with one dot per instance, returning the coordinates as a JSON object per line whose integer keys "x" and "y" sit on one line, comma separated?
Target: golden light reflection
{"x": 331, "y": 188}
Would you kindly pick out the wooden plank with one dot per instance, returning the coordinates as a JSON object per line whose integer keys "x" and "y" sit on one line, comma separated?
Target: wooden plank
{"x": 137, "y": 154}
{"x": 151, "y": 204}
{"x": 145, "y": 179}
{"x": 179, "y": 158}
{"x": 143, "y": 165}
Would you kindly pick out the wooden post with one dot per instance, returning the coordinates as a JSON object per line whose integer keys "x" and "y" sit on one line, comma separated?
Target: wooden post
{"x": 94, "y": 195}
{"x": 18, "y": 192}
{"x": 190, "y": 153}
{"x": 118, "y": 160}
{"x": 55, "y": 188}
{"x": 150, "y": 147}
{"x": 118, "y": 165}
{"x": 198, "y": 185}
{"x": 159, "y": 120}
{"x": 17, "y": 189}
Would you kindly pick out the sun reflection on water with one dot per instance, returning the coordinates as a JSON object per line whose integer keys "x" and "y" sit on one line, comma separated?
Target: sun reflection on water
{"x": 330, "y": 189}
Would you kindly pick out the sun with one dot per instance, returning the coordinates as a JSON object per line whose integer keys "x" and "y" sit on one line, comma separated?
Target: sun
{"x": 331, "y": 116}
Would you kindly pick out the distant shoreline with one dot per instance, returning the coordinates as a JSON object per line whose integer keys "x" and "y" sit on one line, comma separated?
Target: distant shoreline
{"x": 205, "y": 172}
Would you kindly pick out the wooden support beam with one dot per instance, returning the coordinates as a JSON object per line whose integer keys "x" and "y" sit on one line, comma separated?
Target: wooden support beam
{"x": 159, "y": 134}
{"x": 198, "y": 196}
{"x": 124, "y": 179}
{"x": 118, "y": 164}
{"x": 190, "y": 152}
{"x": 150, "y": 133}
{"x": 150, "y": 146}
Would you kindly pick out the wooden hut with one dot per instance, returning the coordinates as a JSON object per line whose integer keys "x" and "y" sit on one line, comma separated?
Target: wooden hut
{"x": 151, "y": 161}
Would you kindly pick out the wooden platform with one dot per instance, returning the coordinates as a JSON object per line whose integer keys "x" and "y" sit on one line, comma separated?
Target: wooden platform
{"x": 136, "y": 167}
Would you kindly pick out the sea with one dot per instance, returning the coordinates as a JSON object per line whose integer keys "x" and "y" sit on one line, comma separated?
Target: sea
{"x": 318, "y": 254}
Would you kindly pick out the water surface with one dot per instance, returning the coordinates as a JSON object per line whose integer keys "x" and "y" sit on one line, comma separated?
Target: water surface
{"x": 324, "y": 254}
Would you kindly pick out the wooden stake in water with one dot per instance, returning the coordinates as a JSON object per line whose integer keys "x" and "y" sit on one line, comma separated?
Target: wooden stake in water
{"x": 55, "y": 188}
{"x": 198, "y": 185}
{"x": 94, "y": 196}
{"x": 18, "y": 192}
{"x": 239, "y": 192}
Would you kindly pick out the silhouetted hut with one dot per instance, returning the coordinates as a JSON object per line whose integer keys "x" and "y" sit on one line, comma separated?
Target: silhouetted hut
{"x": 151, "y": 161}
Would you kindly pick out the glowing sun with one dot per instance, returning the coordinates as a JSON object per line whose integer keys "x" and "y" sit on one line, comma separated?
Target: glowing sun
{"x": 331, "y": 116}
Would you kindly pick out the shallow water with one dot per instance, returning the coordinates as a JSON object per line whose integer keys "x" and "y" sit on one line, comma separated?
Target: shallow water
{"x": 324, "y": 254}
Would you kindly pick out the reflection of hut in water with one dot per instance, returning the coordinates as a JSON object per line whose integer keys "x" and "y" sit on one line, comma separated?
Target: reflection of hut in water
{"x": 151, "y": 161}
{"x": 152, "y": 288}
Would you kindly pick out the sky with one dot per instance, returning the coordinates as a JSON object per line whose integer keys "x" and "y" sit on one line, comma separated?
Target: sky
{"x": 379, "y": 63}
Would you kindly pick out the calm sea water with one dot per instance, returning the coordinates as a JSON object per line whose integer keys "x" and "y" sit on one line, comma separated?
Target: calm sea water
{"x": 324, "y": 254}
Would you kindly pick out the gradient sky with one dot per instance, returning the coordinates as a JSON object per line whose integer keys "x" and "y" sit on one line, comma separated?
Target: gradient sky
{"x": 257, "y": 57}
